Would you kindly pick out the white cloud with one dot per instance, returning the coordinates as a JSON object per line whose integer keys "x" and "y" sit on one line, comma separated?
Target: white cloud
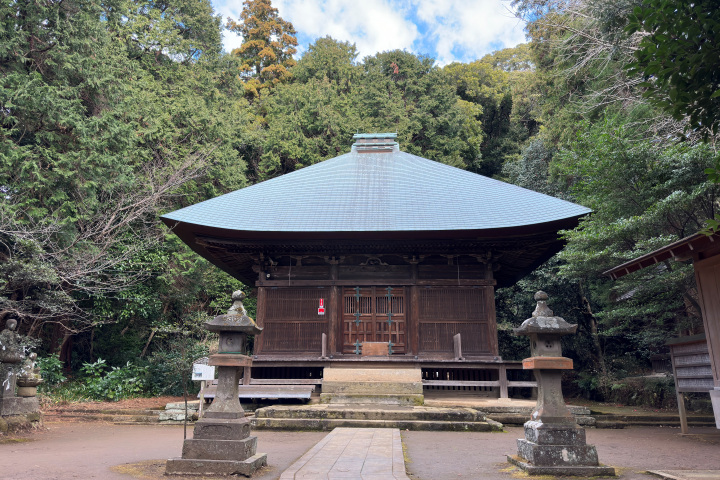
{"x": 449, "y": 30}
{"x": 372, "y": 25}
{"x": 464, "y": 31}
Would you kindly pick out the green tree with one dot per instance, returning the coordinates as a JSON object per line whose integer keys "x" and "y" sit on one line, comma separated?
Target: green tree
{"x": 407, "y": 94}
{"x": 314, "y": 118}
{"x": 268, "y": 45}
{"x": 643, "y": 197}
{"x": 678, "y": 58}
{"x": 101, "y": 128}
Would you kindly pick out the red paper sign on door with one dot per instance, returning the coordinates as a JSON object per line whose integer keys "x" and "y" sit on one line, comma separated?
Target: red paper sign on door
{"x": 321, "y": 307}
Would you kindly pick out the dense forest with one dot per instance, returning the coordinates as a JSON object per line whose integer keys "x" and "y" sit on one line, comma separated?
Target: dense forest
{"x": 113, "y": 112}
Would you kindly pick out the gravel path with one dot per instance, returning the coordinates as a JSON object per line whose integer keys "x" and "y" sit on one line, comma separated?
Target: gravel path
{"x": 122, "y": 452}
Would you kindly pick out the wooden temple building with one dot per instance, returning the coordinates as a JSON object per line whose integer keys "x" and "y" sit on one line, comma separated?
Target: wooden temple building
{"x": 380, "y": 259}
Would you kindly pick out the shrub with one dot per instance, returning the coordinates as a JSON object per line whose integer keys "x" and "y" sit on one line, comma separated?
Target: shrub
{"x": 51, "y": 371}
{"x": 127, "y": 381}
{"x": 170, "y": 366}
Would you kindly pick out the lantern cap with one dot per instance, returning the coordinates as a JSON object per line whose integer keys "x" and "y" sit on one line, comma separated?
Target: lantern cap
{"x": 543, "y": 320}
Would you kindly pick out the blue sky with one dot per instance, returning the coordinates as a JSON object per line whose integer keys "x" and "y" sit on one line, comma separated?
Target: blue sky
{"x": 447, "y": 30}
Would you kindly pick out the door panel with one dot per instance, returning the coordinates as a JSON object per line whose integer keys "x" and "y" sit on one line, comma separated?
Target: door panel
{"x": 374, "y": 314}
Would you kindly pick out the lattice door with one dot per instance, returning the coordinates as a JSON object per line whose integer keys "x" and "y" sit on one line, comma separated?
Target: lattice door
{"x": 374, "y": 314}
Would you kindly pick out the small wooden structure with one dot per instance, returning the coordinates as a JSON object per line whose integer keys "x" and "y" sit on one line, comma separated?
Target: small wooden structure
{"x": 704, "y": 251}
{"x": 692, "y": 370}
{"x": 379, "y": 249}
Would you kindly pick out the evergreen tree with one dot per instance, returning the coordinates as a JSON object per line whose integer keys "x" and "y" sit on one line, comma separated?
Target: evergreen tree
{"x": 268, "y": 45}
{"x": 109, "y": 110}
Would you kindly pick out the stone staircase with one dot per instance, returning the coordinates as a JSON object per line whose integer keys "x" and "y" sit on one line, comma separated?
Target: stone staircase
{"x": 517, "y": 416}
{"x": 124, "y": 416}
{"x": 172, "y": 414}
{"x": 327, "y": 417}
{"x": 655, "y": 420}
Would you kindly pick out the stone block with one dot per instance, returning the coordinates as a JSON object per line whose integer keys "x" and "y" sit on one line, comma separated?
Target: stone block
{"x": 585, "y": 420}
{"x": 219, "y": 429}
{"x": 376, "y": 399}
{"x": 194, "y": 405}
{"x": 554, "y": 434}
{"x": 27, "y": 391}
{"x": 16, "y": 423}
{"x": 395, "y": 375}
{"x": 548, "y": 363}
{"x": 207, "y": 449}
{"x": 19, "y": 405}
{"x": 229, "y": 360}
{"x": 373, "y": 388}
{"x": 565, "y": 470}
{"x": 183, "y": 466}
{"x": 175, "y": 415}
{"x": 557, "y": 455}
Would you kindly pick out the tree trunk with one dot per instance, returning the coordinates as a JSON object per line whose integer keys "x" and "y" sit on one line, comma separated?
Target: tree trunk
{"x": 152, "y": 334}
{"x": 66, "y": 350}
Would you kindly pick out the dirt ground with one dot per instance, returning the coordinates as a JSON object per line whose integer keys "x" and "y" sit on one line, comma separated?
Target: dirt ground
{"x": 74, "y": 450}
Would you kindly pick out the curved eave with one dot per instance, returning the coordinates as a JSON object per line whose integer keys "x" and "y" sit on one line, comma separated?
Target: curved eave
{"x": 681, "y": 250}
{"x": 184, "y": 229}
{"x": 542, "y": 236}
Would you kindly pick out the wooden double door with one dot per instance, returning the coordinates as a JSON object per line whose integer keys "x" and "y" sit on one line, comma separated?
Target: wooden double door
{"x": 374, "y": 314}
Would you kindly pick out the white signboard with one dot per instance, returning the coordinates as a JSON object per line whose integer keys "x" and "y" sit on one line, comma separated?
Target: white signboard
{"x": 203, "y": 372}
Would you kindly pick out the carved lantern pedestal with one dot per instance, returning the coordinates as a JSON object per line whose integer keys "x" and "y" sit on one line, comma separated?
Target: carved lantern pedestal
{"x": 221, "y": 443}
{"x": 554, "y": 444}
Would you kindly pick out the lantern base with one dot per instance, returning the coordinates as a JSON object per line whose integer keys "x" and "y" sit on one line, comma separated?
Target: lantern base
{"x": 186, "y": 466}
{"x": 563, "y": 470}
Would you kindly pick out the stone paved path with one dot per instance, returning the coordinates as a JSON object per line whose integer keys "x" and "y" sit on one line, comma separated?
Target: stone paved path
{"x": 353, "y": 454}
{"x": 687, "y": 474}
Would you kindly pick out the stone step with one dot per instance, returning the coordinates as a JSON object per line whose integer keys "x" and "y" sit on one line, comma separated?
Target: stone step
{"x": 654, "y": 418}
{"x": 527, "y": 410}
{"x": 326, "y": 424}
{"x": 649, "y": 423}
{"x": 517, "y": 419}
{"x": 105, "y": 411}
{"x": 99, "y": 417}
{"x": 375, "y": 412}
{"x": 190, "y": 423}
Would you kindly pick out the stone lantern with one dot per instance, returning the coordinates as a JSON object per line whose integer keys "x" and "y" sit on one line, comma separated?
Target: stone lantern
{"x": 554, "y": 444}
{"x": 221, "y": 443}
{"x": 13, "y": 362}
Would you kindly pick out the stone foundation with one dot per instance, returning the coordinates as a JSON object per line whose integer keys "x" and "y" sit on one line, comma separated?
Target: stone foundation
{"x": 219, "y": 447}
{"x": 184, "y": 466}
{"x": 384, "y": 386}
{"x": 18, "y": 423}
{"x": 19, "y": 406}
{"x": 557, "y": 449}
{"x": 567, "y": 470}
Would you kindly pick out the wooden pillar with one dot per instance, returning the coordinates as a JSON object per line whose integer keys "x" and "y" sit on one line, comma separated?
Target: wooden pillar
{"x": 682, "y": 412}
{"x": 335, "y": 313}
{"x": 502, "y": 377}
{"x": 260, "y": 320}
{"x": 457, "y": 345}
{"x": 492, "y": 320}
{"x": 413, "y": 322}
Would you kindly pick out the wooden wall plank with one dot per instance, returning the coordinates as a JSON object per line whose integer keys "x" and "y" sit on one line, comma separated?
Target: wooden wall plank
{"x": 707, "y": 275}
